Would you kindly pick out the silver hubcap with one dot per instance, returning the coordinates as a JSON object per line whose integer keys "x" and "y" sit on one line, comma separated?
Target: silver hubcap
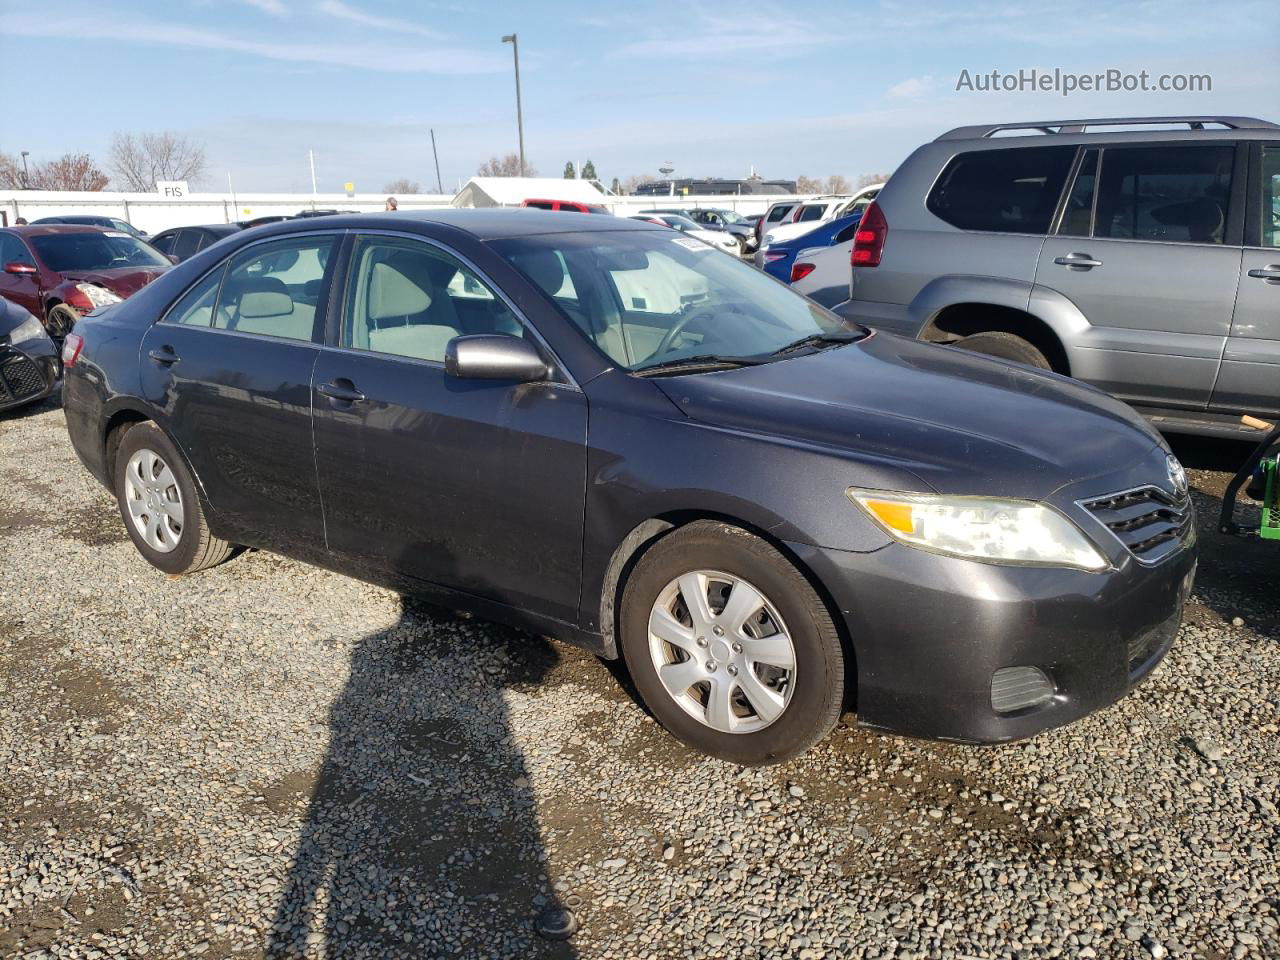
{"x": 722, "y": 651}
{"x": 154, "y": 500}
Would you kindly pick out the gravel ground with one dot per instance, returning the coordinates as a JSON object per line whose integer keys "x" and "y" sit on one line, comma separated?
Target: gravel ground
{"x": 270, "y": 759}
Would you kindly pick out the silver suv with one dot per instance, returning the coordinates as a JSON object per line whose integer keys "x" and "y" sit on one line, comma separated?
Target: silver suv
{"x": 1141, "y": 255}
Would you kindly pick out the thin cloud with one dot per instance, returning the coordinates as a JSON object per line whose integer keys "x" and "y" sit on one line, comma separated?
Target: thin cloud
{"x": 913, "y": 87}
{"x": 273, "y": 7}
{"x": 362, "y": 57}
{"x": 722, "y": 37}
{"x": 344, "y": 11}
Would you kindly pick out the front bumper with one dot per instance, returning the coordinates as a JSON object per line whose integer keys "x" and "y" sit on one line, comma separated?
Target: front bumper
{"x": 29, "y": 371}
{"x": 929, "y": 632}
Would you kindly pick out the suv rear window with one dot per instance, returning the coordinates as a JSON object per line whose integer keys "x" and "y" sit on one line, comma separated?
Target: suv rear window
{"x": 1174, "y": 194}
{"x": 1006, "y": 191}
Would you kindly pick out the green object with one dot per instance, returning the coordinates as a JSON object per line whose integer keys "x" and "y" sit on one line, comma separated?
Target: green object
{"x": 1270, "y": 528}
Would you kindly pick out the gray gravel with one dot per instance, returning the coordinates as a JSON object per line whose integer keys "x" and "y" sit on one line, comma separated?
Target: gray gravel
{"x": 269, "y": 759}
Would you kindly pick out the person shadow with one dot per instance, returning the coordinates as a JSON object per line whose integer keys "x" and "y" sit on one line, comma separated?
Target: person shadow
{"x": 421, "y": 836}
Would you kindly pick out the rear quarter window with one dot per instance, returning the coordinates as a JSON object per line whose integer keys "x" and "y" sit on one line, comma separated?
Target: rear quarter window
{"x": 1002, "y": 191}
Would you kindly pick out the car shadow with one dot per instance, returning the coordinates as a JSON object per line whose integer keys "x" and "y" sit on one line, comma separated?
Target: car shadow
{"x": 421, "y": 837}
{"x": 49, "y": 403}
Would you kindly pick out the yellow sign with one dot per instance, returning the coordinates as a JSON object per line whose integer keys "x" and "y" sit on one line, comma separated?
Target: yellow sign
{"x": 349, "y": 187}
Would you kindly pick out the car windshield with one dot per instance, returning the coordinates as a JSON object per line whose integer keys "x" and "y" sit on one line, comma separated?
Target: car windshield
{"x": 63, "y": 252}
{"x": 728, "y": 216}
{"x": 646, "y": 297}
{"x": 676, "y": 220}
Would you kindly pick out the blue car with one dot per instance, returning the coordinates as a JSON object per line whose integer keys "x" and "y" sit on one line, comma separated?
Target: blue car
{"x": 779, "y": 257}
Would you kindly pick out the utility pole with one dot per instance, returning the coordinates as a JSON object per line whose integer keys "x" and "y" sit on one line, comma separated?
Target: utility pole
{"x": 26, "y": 177}
{"x": 439, "y": 186}
{"x": 311, "y": 156}
{"x": 515, "y": 53}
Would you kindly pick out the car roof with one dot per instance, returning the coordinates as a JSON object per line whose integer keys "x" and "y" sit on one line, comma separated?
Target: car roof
{"x": 44, "y": 229}
{"x": 492, "y": 223}
{"x": 215, "y": 227}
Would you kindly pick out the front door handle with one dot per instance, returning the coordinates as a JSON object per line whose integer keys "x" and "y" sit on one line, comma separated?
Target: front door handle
{"x": 342, "y": 390}
{"x": 1269, "y": 273}
{"x": 164, "y": 355}
{"x": 1080, "y": 260}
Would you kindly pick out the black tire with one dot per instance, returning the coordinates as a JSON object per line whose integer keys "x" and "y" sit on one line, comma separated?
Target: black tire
{"x": 818, "y": 680}
{"x": 59, "y": 321}
{"x": 1006, "y": 346}
{"x": 195, "y": 548}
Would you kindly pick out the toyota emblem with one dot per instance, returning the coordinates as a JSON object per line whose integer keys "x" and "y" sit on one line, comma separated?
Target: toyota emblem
{"x": 1177, "y": 476}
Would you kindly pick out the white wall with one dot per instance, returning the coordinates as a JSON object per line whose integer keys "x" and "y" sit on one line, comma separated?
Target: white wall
{"x": 153, "y": 213}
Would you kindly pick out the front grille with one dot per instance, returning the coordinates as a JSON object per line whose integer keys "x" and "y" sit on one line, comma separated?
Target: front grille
{"x": 19, "y": 378}
{"x": 1151, "y": 522}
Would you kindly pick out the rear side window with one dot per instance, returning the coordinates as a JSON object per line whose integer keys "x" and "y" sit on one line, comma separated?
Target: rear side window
{"x": 1271, "y": 196}
{"x": 195, "y": 309}
{"x": 1004, "y": 191}
{"x": 274, "y": 289}
{"x": 1173, "y": 194}
{"x": 187, "y": 243}
{"x": 813, "y": 211}
{"x": 164, "y": 242}
{"x": 540, "y": 205}
{"x": 777, "y": 213}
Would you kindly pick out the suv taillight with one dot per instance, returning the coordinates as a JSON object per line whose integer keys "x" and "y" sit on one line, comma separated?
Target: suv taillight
{"x": 868, "y": 242}
{"x": 71, "y": 348}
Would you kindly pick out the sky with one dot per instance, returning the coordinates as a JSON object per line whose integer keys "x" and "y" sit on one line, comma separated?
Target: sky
{"x": 711, "y": 89}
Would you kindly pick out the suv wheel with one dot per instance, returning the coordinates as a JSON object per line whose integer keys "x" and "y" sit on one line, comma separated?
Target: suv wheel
{"x": 730, "y": 646}
{"x": 160, "y": 506}
{"x": 1006, "y": 346}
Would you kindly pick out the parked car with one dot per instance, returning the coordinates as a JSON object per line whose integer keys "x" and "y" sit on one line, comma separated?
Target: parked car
{"x": 183, "y": 242}
{"x": 29, "y": 366}
{"x": 780, "y": 257}
{"x": 776, "y": 213}
{"x": 720, "y": 239}
{"x": 767, "y": 511}
{"x": 808, "y": 215}
{"x": 263, "y": 220}
{"x": 1141, "y": 260}
{"x": 822, "y": 273}
{"x": 60, "y": 272}
{"x": 87, "y": 220}
{"x": 714, "y": 218}
{"x": 569, "y": 206}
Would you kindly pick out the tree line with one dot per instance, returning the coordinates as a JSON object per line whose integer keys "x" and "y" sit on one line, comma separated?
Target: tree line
{"x": 135, "y": 163}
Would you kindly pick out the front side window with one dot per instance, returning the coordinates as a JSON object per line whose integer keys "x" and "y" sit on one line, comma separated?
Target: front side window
{"x": 1002, "y": 191}
{"x": 812, "y": 211}
{"x": 1271, "y": 195}
{"x": 777, "y": 213}
{"x": 407, "y": 298}
{"x": 274, "y": 289}
{"x": 648, "y": 297}
{"x": 1172, "y": 194}
{"x": 95, "y": 250}
{"x": 13, "y": 250}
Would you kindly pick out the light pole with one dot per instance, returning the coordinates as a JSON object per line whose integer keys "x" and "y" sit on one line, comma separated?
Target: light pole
{"x": 515, "y": 53}
{"x": 26, "y": 177}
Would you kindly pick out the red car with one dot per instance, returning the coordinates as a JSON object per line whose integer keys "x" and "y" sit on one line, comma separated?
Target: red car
{"x": 571, "y": 206}
{"x": 59, "y": 273}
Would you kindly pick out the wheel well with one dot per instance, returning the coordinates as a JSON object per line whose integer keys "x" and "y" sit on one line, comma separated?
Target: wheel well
{"x": 635, "y": 544}
{"x": 964, "y": 319}
{"x": 117, "y": 426}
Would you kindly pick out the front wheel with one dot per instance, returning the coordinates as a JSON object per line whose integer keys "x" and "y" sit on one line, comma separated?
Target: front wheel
{"x": 730, "y": 646}
{"x": 160, "y": 506}
{"x": 59, "y": 321}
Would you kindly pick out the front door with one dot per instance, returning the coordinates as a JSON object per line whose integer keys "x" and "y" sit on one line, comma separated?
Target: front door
{"x": 1152, "y": 264}
{"x": 230, "y": 365}
{"x": 1250, "y": 377}
{"x": 20, "y": 288}
{"x": 474, "y": 485}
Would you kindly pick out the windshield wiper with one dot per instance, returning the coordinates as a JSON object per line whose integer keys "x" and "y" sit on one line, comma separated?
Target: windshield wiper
{"x": 699, "y": 361}
{"x": 819, "y": 339}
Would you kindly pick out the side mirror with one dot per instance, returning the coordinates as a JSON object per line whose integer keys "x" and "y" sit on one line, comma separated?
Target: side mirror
{"x": 173, "y": 258}
{"x": 19, "y": 268}
{"x": 489, "y": 356}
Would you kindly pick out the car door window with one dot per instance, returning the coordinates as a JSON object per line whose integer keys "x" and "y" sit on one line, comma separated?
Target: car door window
{"x": 13, "y": 250}
{"x": 1012, "y": 190}
{"x": 1171, "y": 193}
{"x": 1271, "y": 196}
{"x": 1077, "y": 218}
{"x": 196, "y": 307}
{"x": 408, "y": 298}
{"x": 187, "y": 243}
{"x": 275, "y": 289}
{"x": 164, "y": 242}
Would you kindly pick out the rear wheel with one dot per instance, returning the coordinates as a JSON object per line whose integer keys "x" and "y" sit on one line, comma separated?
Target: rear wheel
{"x": 59, "y": 320}
{"x": 160, "y": 506}
{"x": 1006, "y": 346}
{"x": 730, "y": 646}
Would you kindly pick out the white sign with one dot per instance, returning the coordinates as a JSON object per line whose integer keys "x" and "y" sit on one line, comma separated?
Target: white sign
{"x": 172, "y": 189}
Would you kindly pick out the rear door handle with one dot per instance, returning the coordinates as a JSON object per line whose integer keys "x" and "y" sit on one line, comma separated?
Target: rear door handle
{"x": 1082, "y": 260}
{"x": 341, "y": 389}
{"x": 1269, "y": 273}
{"x": 164, "y": 355}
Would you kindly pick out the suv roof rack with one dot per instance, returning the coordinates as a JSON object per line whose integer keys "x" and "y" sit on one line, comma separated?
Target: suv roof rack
{"x": 1081, "y": 126}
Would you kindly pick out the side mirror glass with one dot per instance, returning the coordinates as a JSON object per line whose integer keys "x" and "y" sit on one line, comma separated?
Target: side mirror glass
{"x": 494, "y": 357}
{"x": 19, "y": 268}
{"x": 173, "y": 258}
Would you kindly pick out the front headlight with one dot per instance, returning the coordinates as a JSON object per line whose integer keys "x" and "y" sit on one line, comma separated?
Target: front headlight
{"x": 98, "y": 296}
{"x": 28, "y": 329}
{"x": 981, "y": 528}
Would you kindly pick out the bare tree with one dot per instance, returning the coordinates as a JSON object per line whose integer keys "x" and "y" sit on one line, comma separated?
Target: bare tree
{"x": 139, "y": 161}
{"x": 808, "y": 185}
{"x": 402, "y": 186}
{"x": 836, "y": 184}
{"x": 867, "y": 179}
{"x": 71, "y": 171}
{"x": 508, "y": 166}
{"x": 629, "y": 185}
{"x": 11, "y": 172}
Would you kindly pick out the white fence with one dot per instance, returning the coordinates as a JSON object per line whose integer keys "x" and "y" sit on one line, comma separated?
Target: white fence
{"x": 153, "y": 213}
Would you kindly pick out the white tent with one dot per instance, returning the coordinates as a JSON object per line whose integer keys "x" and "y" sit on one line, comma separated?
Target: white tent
{"x": 513, "y": 191}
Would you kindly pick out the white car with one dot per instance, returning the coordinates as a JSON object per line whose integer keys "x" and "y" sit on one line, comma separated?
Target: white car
{"x": 813, "y": 212}
{"x": 720, "y": 239}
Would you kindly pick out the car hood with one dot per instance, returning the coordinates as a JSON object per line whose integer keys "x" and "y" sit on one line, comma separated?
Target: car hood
{"x": 124, "y": 282}
{"x": 960, "y": 422}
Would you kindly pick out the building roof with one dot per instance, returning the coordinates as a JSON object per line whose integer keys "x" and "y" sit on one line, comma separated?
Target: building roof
{"x": 513, "y": 191}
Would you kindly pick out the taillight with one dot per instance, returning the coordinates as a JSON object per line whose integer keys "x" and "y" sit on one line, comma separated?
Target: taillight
{"x": 868, "y": 242}
{"x": 71, "y": 348}
{"x": 801, "y": 270}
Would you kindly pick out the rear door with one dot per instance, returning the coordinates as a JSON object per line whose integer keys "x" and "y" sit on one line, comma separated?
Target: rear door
{"x": 1149, "y": 251}
{"x": 1249, "y": 381}
{"x": 230, "y": 365}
